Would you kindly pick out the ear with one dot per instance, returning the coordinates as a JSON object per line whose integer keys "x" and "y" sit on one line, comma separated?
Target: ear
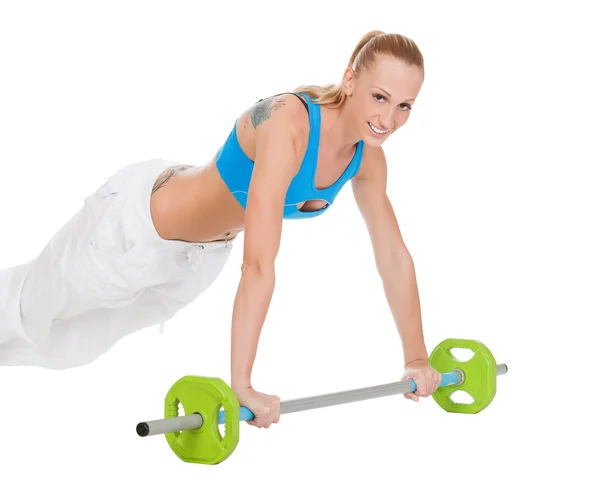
{"x": 348, "y": 81}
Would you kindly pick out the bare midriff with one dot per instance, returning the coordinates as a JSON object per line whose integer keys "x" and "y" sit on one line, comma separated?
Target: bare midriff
{"x": 196, "y": 206}
{"x": 193, "y": 203}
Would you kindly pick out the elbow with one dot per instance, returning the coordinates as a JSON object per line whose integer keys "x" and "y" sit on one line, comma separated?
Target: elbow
{"x": 393, "y": 262}
{"x": 260, "y": 267}
{"x": 258, "y": 275}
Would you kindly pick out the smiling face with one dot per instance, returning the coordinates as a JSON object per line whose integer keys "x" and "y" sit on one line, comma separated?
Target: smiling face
{"x": 380, "y": 99}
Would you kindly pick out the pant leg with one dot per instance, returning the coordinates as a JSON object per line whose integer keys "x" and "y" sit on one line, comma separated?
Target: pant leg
{"x": 11, "y": 283}
{"x": 80, "y": 339}
{"x": 104, "y": 275}
{"x": 53, "y": 284}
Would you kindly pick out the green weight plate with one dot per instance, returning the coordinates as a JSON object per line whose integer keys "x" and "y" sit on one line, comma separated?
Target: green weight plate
{"x": 204, "y": 396}
{"x": 479, "y": 371}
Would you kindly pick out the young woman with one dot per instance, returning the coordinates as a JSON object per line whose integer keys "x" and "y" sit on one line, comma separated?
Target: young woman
{"x": 157, "y": 233}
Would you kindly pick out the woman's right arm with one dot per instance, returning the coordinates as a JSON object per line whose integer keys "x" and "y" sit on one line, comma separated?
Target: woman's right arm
{"x": 277, "y": 161}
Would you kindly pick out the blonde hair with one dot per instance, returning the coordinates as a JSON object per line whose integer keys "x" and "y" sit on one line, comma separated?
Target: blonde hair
{"x": 370, "y": 45}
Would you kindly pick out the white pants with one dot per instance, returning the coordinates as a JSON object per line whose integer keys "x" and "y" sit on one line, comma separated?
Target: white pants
{"x": 105, "y": 274}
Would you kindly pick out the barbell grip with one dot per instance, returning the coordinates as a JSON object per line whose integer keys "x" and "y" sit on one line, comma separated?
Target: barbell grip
{"x": 339, "y": 398}
{"x": 194, "y": 421}
{"x": 320, "y": 401}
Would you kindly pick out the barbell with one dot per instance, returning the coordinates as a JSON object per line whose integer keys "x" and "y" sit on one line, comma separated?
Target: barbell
{"x": 195, "y": 436}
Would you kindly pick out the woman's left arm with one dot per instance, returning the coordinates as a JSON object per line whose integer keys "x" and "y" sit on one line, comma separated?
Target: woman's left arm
{"x": 394, "y": 265}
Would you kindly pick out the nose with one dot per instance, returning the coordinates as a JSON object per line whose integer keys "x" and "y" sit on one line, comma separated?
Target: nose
{"x": 388, "y": 125}
{"x": 387, "y": 120}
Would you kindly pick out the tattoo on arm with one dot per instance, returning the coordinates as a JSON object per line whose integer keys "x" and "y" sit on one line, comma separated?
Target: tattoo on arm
{"x": 261, "y": 111}
{"x": 166, "y": 175}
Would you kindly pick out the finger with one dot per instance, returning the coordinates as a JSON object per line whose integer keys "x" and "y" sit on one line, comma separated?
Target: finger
{"x": 421, "y": 386}
{"x": 433, "y": 381}
{"x": 415, "y": 379}
{"x": 258, "y": 422}
{"x": 275, "y": 414}
{"x": 432, "y": 384}
{"x": 424, "y": 389}
{"x": 429, "y": 382}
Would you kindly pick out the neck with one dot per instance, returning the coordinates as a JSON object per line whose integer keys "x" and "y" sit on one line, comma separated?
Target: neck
{"x": 339, "y": 130}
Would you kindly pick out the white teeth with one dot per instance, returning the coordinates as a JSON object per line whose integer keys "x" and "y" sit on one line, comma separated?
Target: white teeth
{"x": 377, "y": 130}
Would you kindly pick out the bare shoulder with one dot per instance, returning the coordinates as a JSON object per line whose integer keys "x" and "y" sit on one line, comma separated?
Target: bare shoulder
{"x": 373, "y": 165}
{"x": 284, "y": 110}
{"x": 278, "y": 117}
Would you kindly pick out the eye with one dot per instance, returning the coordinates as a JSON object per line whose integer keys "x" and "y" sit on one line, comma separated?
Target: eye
{"x": 380, "y": 98}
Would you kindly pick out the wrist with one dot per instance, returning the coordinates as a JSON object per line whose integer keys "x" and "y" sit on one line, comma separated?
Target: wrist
{"x": 240, "y": 385}
{"x": 411, "y": 361}
{"x": 414, "y": 349}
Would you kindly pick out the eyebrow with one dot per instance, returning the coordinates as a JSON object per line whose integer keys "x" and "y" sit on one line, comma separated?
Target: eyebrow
{"x": 382, "y": 89}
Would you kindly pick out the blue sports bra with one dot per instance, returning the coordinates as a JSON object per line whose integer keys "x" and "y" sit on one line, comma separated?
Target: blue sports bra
{"x": 236, "y": 169}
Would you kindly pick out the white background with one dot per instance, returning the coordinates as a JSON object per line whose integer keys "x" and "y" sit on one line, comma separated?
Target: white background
{"x": 493, "y": 181}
